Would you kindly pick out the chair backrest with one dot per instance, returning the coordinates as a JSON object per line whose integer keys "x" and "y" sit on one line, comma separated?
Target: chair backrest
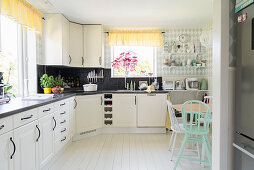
{"x": 174, "y": 123}
{"x": 196, "y": 117}
{"x": 208, "y": 99}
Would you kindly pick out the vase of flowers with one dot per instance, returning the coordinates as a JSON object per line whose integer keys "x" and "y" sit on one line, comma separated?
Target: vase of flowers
{"x": 126, "y": 61}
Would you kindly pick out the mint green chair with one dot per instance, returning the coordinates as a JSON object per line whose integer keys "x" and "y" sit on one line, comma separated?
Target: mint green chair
{"x": 195, "y": 123}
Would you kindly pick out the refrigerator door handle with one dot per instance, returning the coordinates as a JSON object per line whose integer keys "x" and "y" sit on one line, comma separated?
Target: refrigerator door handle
{"x": 243, "y": 149}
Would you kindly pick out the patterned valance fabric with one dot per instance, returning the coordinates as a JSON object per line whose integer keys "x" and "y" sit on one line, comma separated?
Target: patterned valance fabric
{"x": 23, "y": 13}
{"x": 135, "y": 38}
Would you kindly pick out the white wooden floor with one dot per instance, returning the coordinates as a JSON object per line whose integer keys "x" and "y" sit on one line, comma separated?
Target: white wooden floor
{"x": 121, "y": 152}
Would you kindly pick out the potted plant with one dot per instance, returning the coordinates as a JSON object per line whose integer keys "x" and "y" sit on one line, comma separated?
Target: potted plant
{"x": 58, "y": 83}
{"x": 47, "y": 82}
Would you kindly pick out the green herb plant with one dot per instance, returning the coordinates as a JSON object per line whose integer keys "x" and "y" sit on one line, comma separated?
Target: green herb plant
{"x": 58, "y": 81}
{"x": 47, "y": 81}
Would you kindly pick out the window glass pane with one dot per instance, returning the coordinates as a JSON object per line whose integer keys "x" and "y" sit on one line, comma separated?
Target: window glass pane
{"x": 8, "y": 54}
{"x": 145, "y": 57}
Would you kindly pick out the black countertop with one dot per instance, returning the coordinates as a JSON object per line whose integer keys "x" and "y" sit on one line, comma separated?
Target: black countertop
{"x": 18, "y": 105}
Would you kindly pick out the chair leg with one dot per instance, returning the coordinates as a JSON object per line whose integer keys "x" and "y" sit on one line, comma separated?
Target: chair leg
{"x": 208, "y": 143}
{"x": 198, "y": 152}
{"x": 181, "y": 150}
{"x": 170, "y": 141}
{"x": 173, "y": 147}
{"x": 208, "y": 152}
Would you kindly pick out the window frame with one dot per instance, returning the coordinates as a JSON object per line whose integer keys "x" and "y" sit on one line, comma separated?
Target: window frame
{"x": 135, "y": 76}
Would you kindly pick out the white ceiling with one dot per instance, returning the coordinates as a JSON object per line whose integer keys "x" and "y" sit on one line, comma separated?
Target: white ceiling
{"x": 136, "y": 13}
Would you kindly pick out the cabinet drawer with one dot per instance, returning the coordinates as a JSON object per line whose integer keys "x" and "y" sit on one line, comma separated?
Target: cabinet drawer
{"x": 60, "y": 142}
{"x": 62, "y": 131}
{"x": 6, "y": 124}
{"x": 63, "y": 104}
{"x": 61, "y": 113}
{"x": 45, "y": 110}
{"x": 62, "y": 123}
{"x": 25, "y": 117}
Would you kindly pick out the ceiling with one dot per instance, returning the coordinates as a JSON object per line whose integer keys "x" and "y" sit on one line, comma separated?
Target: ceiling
{"x": 135, "y": 13}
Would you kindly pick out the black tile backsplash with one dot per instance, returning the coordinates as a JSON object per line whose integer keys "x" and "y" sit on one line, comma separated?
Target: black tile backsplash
{"x": 107, "y": 83}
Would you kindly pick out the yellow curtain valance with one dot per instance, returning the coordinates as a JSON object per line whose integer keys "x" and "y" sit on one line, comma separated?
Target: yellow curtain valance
{"x": 135, "y": 38}
{"x": 23, "y": 13}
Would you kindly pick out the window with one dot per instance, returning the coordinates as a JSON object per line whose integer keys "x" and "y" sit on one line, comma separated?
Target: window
{"x": 18, "y": 57}
{"x": 9, "y": 52}
{"x": 146, "y": 64}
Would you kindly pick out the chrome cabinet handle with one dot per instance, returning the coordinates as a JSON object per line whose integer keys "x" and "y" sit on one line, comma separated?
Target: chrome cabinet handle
{"x": 135, "y": 100}
{"x": 63, "y": 130}
{"x": 63, "y": 113}
{"x": 75, "y": 103}
{"x": 1, "y": 127}
{"x": 70, "y": 59}
{"x": 62, "y": 104}
{"x": 14, "y": 146}
{"x": 39, "y": 133}
{"x": 29, "y": 117}
{"x": 82, "y": 61}
{"x": 47, "y": 110}
{"x": 63, "y": 139}
{"x": 101, "y": 100}
{"x": 100, "y": 60}
{"x": 55, "y": 123}
{"x": 63, "y": 122}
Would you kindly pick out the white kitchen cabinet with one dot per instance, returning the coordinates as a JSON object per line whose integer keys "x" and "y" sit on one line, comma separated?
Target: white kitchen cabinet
{"x": 73, "y": 105}
{"x": 88, "y": 113}
{"x": 6, "y": 150}
{"x": 56, "y": 40}
{"x": 124, "y": 110}
{"x": 151, "y": 110}
{"x": 93, "y": 45}
{"x": 26, "y": 155}
{"x": 46, "y": 141}
{"x": 76, "y": 45}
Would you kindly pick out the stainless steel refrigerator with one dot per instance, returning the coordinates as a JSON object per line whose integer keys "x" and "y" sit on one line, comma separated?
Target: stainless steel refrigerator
{"x": 244, "y": 104}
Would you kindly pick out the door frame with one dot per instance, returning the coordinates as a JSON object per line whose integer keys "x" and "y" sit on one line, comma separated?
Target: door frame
{"x": 221, "y": 137}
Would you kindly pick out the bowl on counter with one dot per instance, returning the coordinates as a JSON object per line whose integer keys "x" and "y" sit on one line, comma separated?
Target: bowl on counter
{"x": 90, "y": 87}
{"x": 57, "y": 90}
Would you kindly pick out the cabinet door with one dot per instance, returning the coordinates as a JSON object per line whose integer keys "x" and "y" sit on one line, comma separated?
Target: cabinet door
{"x": 92, "y": 45}
{"x": 6, "y": 150}
{"x": 151, "y": 110}
{"x": 88, "y": 113}
{"x": 73, "y": 105}
{"x": 66, "y": 42}
{"x": 124, "y": 110}
{"x": 26, "y": 156}
{"x": 46, "y": 141}
{"x": 76, "y": 45}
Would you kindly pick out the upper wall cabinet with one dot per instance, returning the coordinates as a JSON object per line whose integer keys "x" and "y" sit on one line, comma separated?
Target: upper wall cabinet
{"x": 56, "y": 37}
{"x": 76, "y": 45}
{"x": 93, "y": 45}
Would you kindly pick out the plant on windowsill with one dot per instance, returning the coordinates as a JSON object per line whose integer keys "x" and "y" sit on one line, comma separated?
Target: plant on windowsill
{"x": 126, "y": 61}
{"x": 47, "y": 82}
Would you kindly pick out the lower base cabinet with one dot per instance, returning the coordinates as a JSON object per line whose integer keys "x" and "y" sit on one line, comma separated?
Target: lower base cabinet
{"x": 46, "y": 144}
{"x": 26, "y": 154}
{"x": 6, "y": 150}
{"x": 124, "y": 110}
{"x": 88, "y": 113}
{"x": 152, "y": 110}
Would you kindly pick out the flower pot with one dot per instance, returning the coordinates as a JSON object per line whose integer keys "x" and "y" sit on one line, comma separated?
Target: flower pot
{"x": 47, "y": 90}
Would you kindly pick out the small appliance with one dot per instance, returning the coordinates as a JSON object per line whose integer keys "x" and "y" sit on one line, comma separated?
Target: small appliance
{"x": 191, "y": 83}
{"x": 179, "y": 85}
{"x": 168, "y": 85}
